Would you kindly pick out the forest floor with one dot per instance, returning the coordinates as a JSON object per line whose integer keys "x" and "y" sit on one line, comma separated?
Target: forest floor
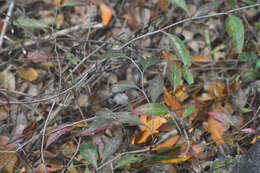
{"x": 128, "y": 86}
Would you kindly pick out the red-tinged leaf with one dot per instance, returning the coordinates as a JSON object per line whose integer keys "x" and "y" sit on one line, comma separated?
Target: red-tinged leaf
{"x": 131, "y": 20}
{"x": 151, "y": 109}
{"x": 250, "y": 130}
{"x": 222, "y": 117}
{"x": 202, "y": 151}
{"x": 51, "y": 167}
{"x": 59, "y": 131}
{"x": 86, "y": 131}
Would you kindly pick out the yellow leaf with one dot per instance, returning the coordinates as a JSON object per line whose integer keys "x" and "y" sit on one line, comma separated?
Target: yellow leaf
{"x": 200, "y": 59}
{"x": 150, "y": 128}
{"x": 106, "y": 13}
{"x": 172, "y": 102}
{"x": 29, "y": 74}
{"x": 168, "y": 143}
{"x": 182, "y": 157}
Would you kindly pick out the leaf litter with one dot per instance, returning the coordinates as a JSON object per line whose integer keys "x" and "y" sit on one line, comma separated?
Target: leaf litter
{"x": 130, "y": 92}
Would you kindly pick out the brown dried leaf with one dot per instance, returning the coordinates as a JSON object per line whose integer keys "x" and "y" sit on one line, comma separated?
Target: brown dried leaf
{"x": 7, "y": 80}
{"x": 216, "y": 130}
{"x": 131, "y": 20}
{"x": 29, "y": 74}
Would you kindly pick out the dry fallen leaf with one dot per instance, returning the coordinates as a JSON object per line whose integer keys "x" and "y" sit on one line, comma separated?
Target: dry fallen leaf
{"x": 7, "y": 80}
{"x": 7, "y": 158}
{"x": 51, "y": 167}
{"x": 150, "y": 128}
{"x": 131, "y": 20}
{"x": 106, "y": 13}
{"x": 170, "y": 101}
{"x": 216, "y": 88}
{"x": 29, "y": 74}
{"x": 200, "y": 59}
{"x": 182, "y": 157}
{"x": 168, "y": 143}
{"x": 216, "y": 130}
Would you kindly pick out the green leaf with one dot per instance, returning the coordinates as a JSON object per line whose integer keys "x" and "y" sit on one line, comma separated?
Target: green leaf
{"x": 127, "y": 159}
{"x": 248, "y": 55}
{"x": 148, "y": 62}
{"x": 71, "y": 59}
{"x": 126, "y": 117}
{"x": 180, "y": 50}
{"x": 223, "y": 165}
{"x": 89, "y": 153}
{"x": 246, "y": 110}
{"x": 29, "y": 23}
{"x": 112, "y": 54}
{"x": 155, "y": 88}
{"x": 174, "y": 75}
{"x": 72, "y": 3}
{"x": 188, "y": 110}
{"x": 181, "y": 4}
{"x": 151, "y": 109}
{"x": 111, "y": 147}
{"x": 235, "y": 29}
{"x": 188, "y": 76}
{"x": 123, "y": 86}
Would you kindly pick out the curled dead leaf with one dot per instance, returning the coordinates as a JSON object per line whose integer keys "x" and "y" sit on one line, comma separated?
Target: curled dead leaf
{"x": 29, "y": 74}
{"x": 7, "y": 80}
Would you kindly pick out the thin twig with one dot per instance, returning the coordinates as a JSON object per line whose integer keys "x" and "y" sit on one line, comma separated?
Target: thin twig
{"x": 186, "y": 20}
{"x": 9, "y": 13}
{"x": 43, "y": 136}
{"x": 53, "y": 35}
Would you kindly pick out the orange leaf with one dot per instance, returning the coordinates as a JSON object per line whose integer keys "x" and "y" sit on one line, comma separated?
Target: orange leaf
{"x": 150, "y": 128}
{"x": 29, "y": 74}
{"x": 168, "y": 143}
{"x": 200, "y": 59}
{"x": 172, "y": 102}
{"x": 216, "y": 130}
{"x": 167, "y": 55}
{"x": 106, "y": 13}
{"x": 254, "y": 139}
{"x": 131, "y": 20}
{"x": 51, "y": 167}
{"x": 216, "y": 88}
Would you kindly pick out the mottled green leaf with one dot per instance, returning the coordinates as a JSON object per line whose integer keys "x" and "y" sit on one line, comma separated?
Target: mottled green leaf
{"x": 148, "y": 62}
{"x": 71, "y": 59}
{"x": 123, "y": 86}
{"x": 112, "y": 54}
{"x": 174, "y": 76}
{"x": 126, "y": 117}
{"x": 188, "y": 110}
{"x": 155, "y": 88}
{"x": 71, "y": 3}
{"x": 151, "y": 109}
{"x": 89, "y": 153}
{"x": 127, "y": 159}
{"x": 111, "y": 147}
{"x": 235, "y": 29}
{"x": 188, "y": 76}
{"x": 180, "y": 50}
{"x": 181, "y": 4}
{"x": 29, "y": 23}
